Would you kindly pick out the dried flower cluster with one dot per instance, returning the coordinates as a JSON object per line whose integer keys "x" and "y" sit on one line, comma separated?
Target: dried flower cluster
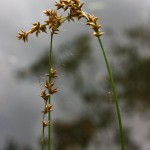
{"x": 54, "y": 20}
{"x": 46, "y": 93}
{"x": 75, "y": 8}
{"x": 92, "y": 22}
{"x": 37, "y": 28}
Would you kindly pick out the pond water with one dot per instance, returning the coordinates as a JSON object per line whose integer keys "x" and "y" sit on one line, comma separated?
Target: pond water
{"x": 84, "y": 101}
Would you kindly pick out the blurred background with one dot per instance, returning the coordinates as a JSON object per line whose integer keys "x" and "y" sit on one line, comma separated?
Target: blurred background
{"x": 84, "y": 115}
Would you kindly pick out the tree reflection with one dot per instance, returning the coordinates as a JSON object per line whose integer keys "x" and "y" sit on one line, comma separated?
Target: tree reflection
{"x": 133, "y": 77}
{"x": 13, "y": 145}
{"x": 73, "y": 135}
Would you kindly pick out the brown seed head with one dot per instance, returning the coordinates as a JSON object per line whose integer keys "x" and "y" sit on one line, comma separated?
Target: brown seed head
{"x": 37, "y": 27}
{"x": 53, "y": 73}
{"x": 92, "y": 22}
{"x": 50, "y": 88}
{"x": 45, "y": 123}
{"x": 44, "y": 95}
{"x": 23, "y": 36}
{"x": 48, "y": 108}
{"x": 54, "y": 20}
{"x": 73, "y": 5}
{"x": 52, "y": 91}
{"x": 47, "y": 85}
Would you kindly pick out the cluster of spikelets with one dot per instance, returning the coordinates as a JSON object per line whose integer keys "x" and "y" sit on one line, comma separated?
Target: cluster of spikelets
{"x": 49, "y": 89}
{"x": 54, "y": 20}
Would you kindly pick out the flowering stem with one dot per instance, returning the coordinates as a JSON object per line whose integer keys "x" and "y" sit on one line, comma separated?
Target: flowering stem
{"x": 49, "y": 101}
{"x": 114, "y": 93}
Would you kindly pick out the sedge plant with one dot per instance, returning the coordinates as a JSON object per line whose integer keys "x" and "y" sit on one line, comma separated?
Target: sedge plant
{"x": 52, "y": 24}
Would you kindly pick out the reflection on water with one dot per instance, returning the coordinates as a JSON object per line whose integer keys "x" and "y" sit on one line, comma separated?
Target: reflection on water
{"x": 84, "y": 116}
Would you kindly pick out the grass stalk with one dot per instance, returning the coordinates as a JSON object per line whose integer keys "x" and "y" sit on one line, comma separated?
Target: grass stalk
{"x": 49, "y": 101}
{"x": 114, "y": 93}
{"x": 43, "y": 133}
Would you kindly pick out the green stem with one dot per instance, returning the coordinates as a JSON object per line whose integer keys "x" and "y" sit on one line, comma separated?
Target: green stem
{"x": 43, "y": 134}
{"x": 114, "y": 93}
{"x": 49, "y": 101}
{"x": 43, "y": 138}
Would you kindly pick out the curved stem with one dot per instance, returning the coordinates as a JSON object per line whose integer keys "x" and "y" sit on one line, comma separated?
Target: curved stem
{"x": 114, "y": 93}
{"x": 49, "y": 101}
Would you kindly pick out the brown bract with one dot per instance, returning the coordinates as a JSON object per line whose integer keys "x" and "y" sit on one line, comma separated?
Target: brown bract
{"x": 49, "y": 87}
{"x": 92, "y": 22}
{"x": 53, "y": 73}
{"x": 48, "y": 108}
{"x": 37, "y": 27}
{"x": 45, "y": 123}
{"x": 23, "y": 36}
{"x": 44, "y": 95}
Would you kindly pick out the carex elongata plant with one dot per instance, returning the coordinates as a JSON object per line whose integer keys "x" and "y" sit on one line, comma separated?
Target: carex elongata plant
{"x": 54, "y": 21}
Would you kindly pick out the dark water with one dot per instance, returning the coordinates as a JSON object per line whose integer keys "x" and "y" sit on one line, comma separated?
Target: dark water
{"x": 84, "y": 115}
